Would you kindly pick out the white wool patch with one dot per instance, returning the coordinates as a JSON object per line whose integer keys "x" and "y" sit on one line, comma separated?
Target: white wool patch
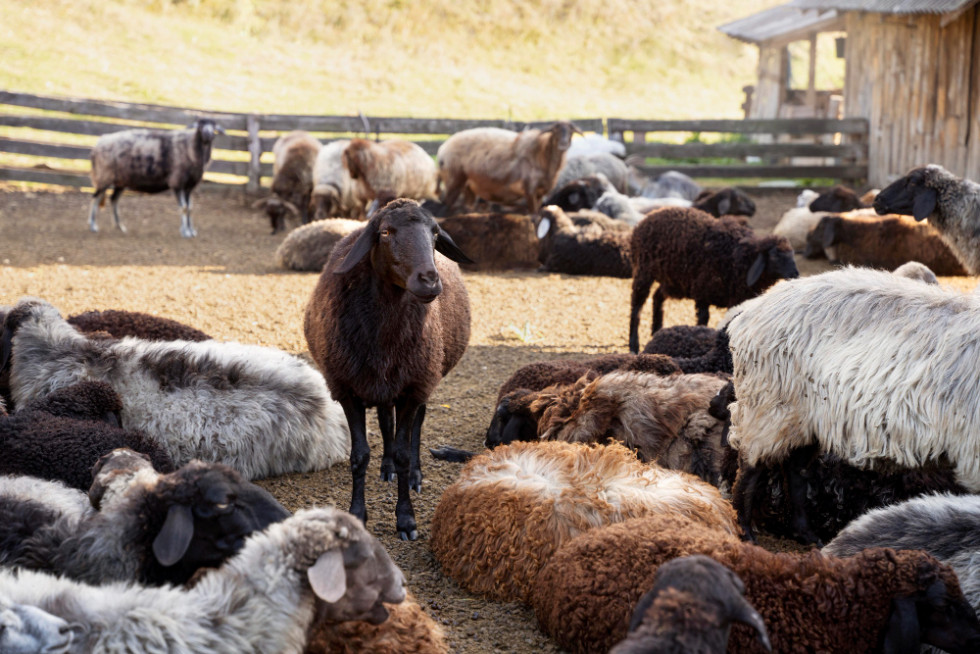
{"x": 53, "y": 494}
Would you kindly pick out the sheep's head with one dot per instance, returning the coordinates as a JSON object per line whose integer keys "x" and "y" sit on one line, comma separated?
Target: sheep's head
{"x": 26, "y": 309}
{"x": 513, "y": 420}
{"x": 836, "y": 200}
{"x": 276, "y": 208}
{"x": 773, "y": 262}
{"x": 561, "y": 134}
{"x": 207, "y": 129}
{"x": 402, "y": 240}
{"x": 726, "y": 202}
{"x": 914, "y": 195}
{"x": 579, "y": 194}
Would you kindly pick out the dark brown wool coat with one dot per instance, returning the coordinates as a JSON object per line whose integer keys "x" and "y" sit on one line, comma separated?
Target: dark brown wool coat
{"x": 134, "y": 323}
{"x": 495, "y": 241}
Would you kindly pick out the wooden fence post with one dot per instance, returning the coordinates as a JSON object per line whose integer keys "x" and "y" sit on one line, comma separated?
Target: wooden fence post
{"x": 255, "y": 154}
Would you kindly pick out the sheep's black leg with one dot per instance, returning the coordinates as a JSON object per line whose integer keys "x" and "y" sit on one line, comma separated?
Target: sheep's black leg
{"x": 743, "y": 497}
{"x": 360, "y": 454}
{"x": 797, "y": 483}
{"x": 405, "y": 412}
{"x": 415, "y": 473}
{"x": 114, "y": 201}
{"x": 658, "y": 310}
{"x": 703, "y": 309}
{"x": 386, "y": 420}
{"x": 641, "y": 291}
{"x": 97, "y": 197}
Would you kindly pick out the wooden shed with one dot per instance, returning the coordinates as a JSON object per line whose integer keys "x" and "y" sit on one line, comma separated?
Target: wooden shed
{"x": 775, "y": 94}
{"x": 912, "y": 71}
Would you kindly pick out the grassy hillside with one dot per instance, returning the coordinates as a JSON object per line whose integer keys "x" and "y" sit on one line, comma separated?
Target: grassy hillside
{"x": 447, "y": 58}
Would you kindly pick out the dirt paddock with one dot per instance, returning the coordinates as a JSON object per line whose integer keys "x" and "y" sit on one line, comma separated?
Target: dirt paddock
{"x": 225, "y": 282}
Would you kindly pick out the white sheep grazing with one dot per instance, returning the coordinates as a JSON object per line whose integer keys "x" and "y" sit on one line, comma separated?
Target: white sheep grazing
{"x": 869, "y": 365}
{"x": 151, "y": 161}
{"x": 951, "y": 204}
{"x": 262, "y": 600}
{"x": 333, "y": 189}
{"x": 256, "y": 409}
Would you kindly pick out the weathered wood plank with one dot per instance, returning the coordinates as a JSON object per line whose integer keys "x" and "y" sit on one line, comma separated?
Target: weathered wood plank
{"x": 242, "y": 168}
{"x": 833, "y": 172}
{"x": 39, "y": 149}
{"x": 794, "y": 126}
{"x": 687, "y": 150}
{"x": 44, "y": 176}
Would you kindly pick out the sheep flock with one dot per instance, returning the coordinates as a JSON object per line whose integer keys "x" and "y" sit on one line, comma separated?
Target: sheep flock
{"x": 176, "y": 480}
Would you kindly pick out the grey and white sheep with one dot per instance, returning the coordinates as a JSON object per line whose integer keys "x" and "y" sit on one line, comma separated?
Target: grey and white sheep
{"x": 691, "y": 608}
{"x": 581, "y": 250}
{"x": 257, "y": 409}
{"x": 951, "y": 204}
{"x": 597, "y": 193}
{"x": 292, "y": 179}
{"x": 388, "y": 319}
{"x": 609, "y": 165}
{"x": 399, "y": 168}
{"x": 333, "y": 189}
{"x": 308, "y": 247}
{"x": 797, "y": 380}
{"x": 151, "y": 161}
{"x": 689, "y": 253}
{"x": 672, "y": 184}
{"x": 500, "y": 165}
{"x": 261, "y": 600}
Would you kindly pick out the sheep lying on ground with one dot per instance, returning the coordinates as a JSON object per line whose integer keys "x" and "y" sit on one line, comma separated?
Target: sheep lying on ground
{"x": 879, "y": 600}
{"x": 292, "y": 179}
{"x": 499, "y": 165}
{"x": 881, "y": 242}
{"x": 672, "y": 184}
{"x": 388, "y": 319}
{"x": 567, "y": 248}
{"x": 257, "y": 409}
{"x": 135, "y": 323}
{"x": 60, "y": 437}
{"x": 902, "y": 406}
{"x": 308, "y": 247}
{"x": 796, "y": 224}
{"x": 29, "y": 630}
{"x": 716, "y": 262}
{"x": 399, "y": 168}
{"x": 725, "y": 202}
{"x": 691, "y": 608}
{"x": 496, "y": 241}
{"x": 594, "y": 192}
{"x": 609, "y": 165}
{"x": 150, "y": 528}
{"x": 512, "y": 507}
{"x": 261, "y": 600}
{"x": 682, "y": 341}
{"x": 951, "y": 204}
{"x": 151, "y": 161}
{"x": 837, "y": 200}
{"x": 333, "y": 190}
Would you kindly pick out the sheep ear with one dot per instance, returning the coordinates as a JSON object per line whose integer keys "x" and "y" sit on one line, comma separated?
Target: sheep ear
{"x": 903, "y": 635}
{"x": 544, "y": 227}
{"x": 830, "y": 233}
{"x": 724, "y": 205}
{"x": 447, "y": 247}
{"x": 327, "y": 576}
{"x": 925, "y": 204}
{"x": 175, "y": 536}
{"x": 746, "y": 614}
{"x": 756, "y": 270}
{"x": 362, "y": 246}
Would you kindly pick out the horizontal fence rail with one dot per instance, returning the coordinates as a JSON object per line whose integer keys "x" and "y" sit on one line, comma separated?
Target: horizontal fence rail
{"x": 53, "y": 127}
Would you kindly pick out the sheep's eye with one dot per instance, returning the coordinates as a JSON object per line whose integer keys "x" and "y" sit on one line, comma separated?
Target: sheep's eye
{"x": 386, "y": 233}
{"x": 221, "y": 507}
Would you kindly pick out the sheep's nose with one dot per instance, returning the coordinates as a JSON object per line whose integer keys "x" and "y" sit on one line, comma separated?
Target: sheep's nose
{"x": 429, "y": 278}
{"x": 426, "y": 286}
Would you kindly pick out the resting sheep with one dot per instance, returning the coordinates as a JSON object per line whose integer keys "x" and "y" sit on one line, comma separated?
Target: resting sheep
{"x": 689, "y": 253}
{"x": 496, "y": 241}
{"x": 388, "y": 319}
{"x": 609, "y": 165}
{"x": 257, "y": 409}
{"x": 512, "y": 507}
{"x": 333, "y": 189}
{"x": 575, "y": 250}
{"x": 672, "y": 184}
{"x": 151, "y": 161}
{"x": 837, "y": 200}
{"x": 500, "y": 165}
{"x": 308, "y": 247}
{"x": 595, "y": 192}
{"x": 903, "y": 405}
{"x": 725, "y": 202}
{"x": 292, "y": 179}
{"x": 879, "y": 600}
{"x": 261, "y": 600}
{"x": 690, "y": 609}
{"x": 951, "y": 204}
{"x": 135, "y": 323}
{"x": 399, "y": 168}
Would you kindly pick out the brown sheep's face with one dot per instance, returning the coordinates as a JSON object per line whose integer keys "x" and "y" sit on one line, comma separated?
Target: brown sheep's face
{"x": 908, "y": 196}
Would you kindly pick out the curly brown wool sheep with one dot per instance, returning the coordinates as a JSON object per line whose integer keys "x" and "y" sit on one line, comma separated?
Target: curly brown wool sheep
{"x": 146, "y": 326}
{"x": 513, "y": 506}
{"x": 495, "y": 241}
{"x": 689, "y": 253}
{"x": 585, "y": 594}
{"x": 408, "y": 630}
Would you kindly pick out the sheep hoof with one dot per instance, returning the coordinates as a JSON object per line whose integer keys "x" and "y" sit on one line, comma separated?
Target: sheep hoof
{"x": 415, "y": 480}
{"x": 122, "y": 228}
{"x": 409, "y": 535}
{"x": 92, "y": 227}
{"x": 387, "y": 471}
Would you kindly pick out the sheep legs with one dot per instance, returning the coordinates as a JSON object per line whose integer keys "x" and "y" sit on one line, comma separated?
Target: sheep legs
{"x": 796, "y": 481}
{"x": 406, "y": 418}
{"x": 114, "y": 201}
{"x": 184, "y": 200}
{"x": 658, "y": 310}
{"x": 703, "y": 309}
{"x": 386, "y": 421}
{"x": 360, "y": 454}
{"x": 743, "y": 496}
{"x": 641, "y": 291}
{"x": 97, "y": 197}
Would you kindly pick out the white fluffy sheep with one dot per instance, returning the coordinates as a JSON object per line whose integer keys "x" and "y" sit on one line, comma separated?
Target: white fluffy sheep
{"x": 257, "y": 409}
{"x": 514, "y": 506}
{"x": 262, "y": 600}
{"x": 308, "y": 247}
{"x": 796, "y": 223}
{"x": 868, "y": 365}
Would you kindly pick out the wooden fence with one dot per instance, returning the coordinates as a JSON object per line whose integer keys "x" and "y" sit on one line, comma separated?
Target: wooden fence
{"x": 237, "y": 158}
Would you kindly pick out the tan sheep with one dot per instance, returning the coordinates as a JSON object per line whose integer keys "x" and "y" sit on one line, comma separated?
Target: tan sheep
{"x": 500, "y": 165}
{"x": 292, "y": 179}
{"x": 514, "y": 506}
{"x": 307, "y": 247}
{"x": 400, "y": 169}
{"x": 333, "y": 190}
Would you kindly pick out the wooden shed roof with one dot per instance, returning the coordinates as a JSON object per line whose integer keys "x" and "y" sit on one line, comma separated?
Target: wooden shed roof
{"x": 888, "y": 6}
{"x": 782, "y": 24}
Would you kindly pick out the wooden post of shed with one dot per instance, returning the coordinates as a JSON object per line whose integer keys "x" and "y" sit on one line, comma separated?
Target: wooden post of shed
{"x": 254, "y": 154}
{"x": 811, "y": 82}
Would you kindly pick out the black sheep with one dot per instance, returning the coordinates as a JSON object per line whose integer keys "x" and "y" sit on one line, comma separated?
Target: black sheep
{"x": 581, "y": 250}
{"x": 682, "y": 341}
{"x": 837, "y": 200}
{"x": 63, "y": 435}
{"x": 135, "y": 323}
{"x": 726, "y": 202}
{"x": 718, "y": 262}
{"x": 387, "y": 320}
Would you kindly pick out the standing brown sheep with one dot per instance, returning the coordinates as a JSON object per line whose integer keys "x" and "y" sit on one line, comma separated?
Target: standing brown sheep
{"x": 292, "y": 179}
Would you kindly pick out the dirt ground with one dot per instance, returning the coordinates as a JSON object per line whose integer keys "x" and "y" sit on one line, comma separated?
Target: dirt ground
{"x": 225, "y": 282}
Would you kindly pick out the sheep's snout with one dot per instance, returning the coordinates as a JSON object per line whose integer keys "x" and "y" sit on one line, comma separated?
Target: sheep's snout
{"x": 425, "y": 285}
